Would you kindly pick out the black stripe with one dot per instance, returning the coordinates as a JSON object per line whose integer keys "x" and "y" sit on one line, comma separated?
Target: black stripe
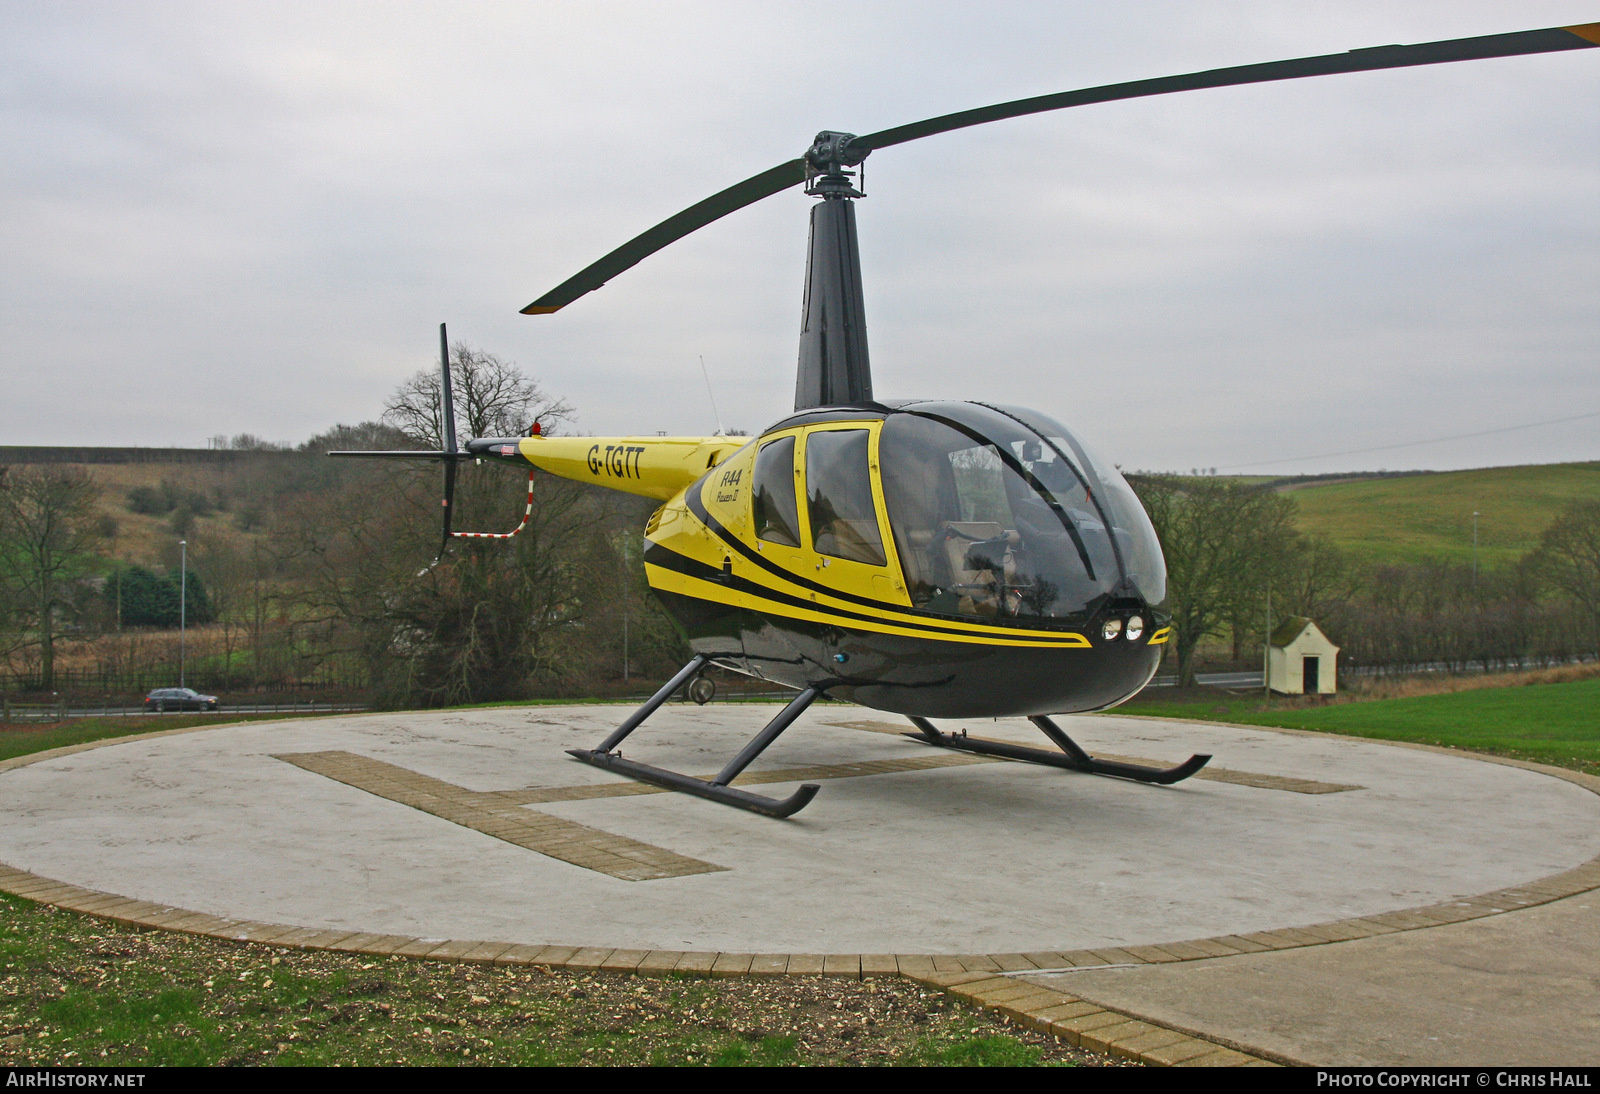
{"x": 691, "y": 497}
{"x": 658, "y": 554}
{"x": 668, "y": 559}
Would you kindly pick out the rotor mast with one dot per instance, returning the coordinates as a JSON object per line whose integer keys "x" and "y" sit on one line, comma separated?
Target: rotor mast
{"x": 834, "y": 369}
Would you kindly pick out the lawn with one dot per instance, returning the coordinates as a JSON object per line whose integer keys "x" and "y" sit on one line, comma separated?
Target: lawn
{"x": 1550, "y": 723}
{"x": 22, "y": 740}
{"x": 76, "y": 990}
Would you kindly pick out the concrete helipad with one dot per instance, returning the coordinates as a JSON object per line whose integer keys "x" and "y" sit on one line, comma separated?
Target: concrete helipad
{"x": 476, "y": 825}
{"x": 1305, "y": 899}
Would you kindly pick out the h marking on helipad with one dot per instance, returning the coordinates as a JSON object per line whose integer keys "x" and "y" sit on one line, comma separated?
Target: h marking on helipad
{"x": 493, "y": 815}
{"x": 503, "y": 813}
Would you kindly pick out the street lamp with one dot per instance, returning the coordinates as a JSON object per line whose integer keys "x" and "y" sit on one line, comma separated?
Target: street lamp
{"x": 183, "y": 608}
{"x": 626, "y": 577}
{"x": 1474, "y": 552}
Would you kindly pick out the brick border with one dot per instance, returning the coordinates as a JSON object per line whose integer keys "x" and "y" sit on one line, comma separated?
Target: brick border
{"x": 986, "y": 980}
{"x": 1078, "y": 1023}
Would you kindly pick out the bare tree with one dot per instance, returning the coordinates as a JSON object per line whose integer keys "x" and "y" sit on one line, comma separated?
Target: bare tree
{"x": 494, "y": 398}
{"x": 1568, "y": 559}
{"x": 47, "y": 535}
{"x": 1220, "y": 539}
{"x": 487, "y": 623}
{"x": 492, "y": 619}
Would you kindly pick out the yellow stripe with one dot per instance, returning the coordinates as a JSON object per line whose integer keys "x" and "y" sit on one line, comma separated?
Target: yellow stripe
{"x": 674, "y": 582}
{"x": 1589, "y": 32}
{"x": 1160, "y": 636}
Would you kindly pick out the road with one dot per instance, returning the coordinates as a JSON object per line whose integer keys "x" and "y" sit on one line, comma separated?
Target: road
{"x": 1214, "y": 680}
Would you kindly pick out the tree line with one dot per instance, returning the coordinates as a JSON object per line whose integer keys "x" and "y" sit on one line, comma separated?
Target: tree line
{"x": 324, "y": 570}
{"x": 1236, "y": 563}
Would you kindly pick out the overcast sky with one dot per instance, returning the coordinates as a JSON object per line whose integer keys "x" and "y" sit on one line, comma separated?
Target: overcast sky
{"x": 224, "y": 218}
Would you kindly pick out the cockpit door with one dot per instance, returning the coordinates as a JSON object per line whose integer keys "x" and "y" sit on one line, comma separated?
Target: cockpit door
{"x": 846, "y": 539}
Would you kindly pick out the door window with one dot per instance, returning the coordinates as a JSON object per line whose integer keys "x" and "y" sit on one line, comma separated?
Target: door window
{"x": 844, "y": 521}
{"x": 777, "y": 518}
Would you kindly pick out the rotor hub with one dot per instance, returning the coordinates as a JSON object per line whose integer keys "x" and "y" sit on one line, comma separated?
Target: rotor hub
{"x": 826, "y": 160}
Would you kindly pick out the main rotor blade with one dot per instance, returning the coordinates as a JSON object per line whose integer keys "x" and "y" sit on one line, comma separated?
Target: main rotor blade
{"x": 697, "y": 216}
{"x": 753, "y": 189}
{"x": 1554, "y": 39}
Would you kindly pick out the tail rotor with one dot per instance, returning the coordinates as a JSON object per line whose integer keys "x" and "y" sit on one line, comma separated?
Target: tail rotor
{"x": 451, "y": 453}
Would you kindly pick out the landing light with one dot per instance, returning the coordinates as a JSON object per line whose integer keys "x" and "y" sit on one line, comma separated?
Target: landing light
{"x": 1110, "y": 629}
{"x": 1135, "y": 627}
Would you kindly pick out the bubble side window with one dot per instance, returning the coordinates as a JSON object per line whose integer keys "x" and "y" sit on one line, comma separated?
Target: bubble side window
{"x": 776, "y": 516}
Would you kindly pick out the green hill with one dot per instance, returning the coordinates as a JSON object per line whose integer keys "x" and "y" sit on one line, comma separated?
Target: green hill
{"x": 1403, "y": 519}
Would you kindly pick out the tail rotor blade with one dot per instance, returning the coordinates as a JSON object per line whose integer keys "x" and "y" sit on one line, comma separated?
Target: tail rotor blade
{"x": 447, "y": 437}
{"x": 449, "y": 504}
{"x": 447, "y": 401}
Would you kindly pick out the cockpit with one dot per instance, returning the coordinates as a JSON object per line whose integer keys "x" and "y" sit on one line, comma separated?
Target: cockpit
{"x": 992, "y": 511}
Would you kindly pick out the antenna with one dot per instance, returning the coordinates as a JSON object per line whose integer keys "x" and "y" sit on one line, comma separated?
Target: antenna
{"x": 722, "y": 430}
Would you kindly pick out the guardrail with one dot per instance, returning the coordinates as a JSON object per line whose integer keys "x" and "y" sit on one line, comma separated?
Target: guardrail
{"x": 43, "y": 713}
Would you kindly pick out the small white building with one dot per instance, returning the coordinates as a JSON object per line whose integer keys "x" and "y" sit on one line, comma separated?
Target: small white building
{"x": 1301, "y": 660}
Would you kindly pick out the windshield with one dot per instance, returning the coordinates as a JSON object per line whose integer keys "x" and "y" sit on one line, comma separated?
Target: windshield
{"x": 978, "y": 531}
{"x": 995, "y": 514}
{"x": 1134, "y": 535}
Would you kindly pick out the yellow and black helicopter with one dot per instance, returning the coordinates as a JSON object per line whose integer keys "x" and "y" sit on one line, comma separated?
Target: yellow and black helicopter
{"x": 933, "y": 559}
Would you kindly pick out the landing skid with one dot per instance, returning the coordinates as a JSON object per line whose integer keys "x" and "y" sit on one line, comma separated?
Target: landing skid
{"x": 1071, "y": 756}
{"x": 727, "y": 795}
{"x": 717, "y": 789}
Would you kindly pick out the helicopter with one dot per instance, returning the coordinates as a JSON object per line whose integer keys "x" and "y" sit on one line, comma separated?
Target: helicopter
{"x": 932, "y": 559}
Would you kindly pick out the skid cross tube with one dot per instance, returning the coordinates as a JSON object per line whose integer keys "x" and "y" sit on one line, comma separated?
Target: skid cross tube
{"x": 652, "y": 704}
{"x": 758, "y": 744}
{"x": 717, "y": 789}
{"x": 1072, "y": 756}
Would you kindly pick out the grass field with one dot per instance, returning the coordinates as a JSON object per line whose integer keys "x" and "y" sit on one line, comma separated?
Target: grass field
{"x": 1555, "y": 724}
{"x": 1406, "y": 519}
{"x": 21, "y": 740}
{"x": 76, "y": 991}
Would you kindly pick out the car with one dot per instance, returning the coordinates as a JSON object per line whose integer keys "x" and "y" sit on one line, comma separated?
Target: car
{"x": 162, "y": 700}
